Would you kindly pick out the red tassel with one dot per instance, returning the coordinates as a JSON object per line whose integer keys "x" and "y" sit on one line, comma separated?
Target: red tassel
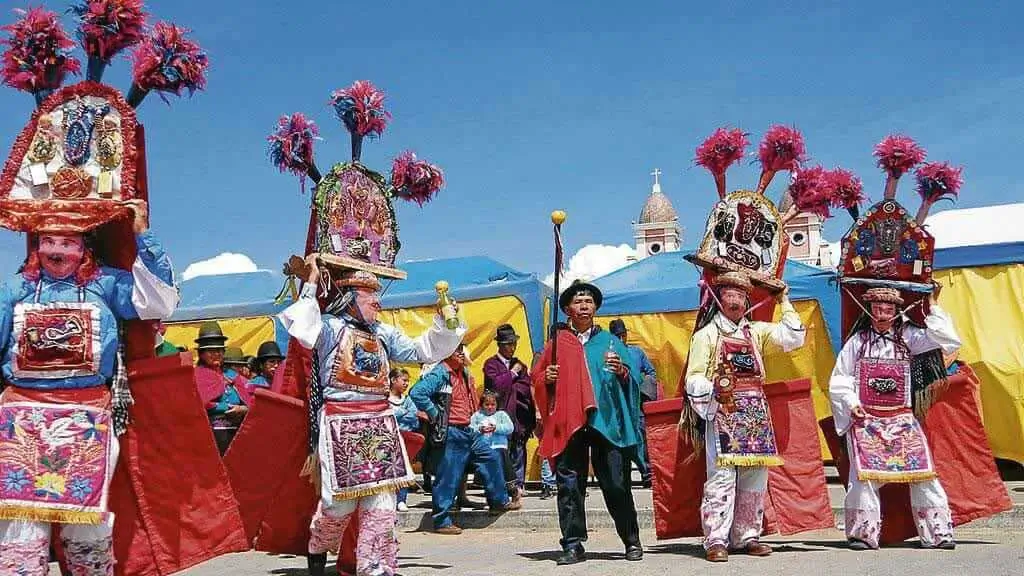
{"x": 781, "y": 149}
{"x": 720, "y": 151}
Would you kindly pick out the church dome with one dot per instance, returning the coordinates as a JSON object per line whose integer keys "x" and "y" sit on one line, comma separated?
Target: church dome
{"x": 658, "y": 208}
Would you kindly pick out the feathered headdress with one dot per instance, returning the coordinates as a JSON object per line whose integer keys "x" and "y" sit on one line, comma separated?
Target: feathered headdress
{"x": 106, "y": 27}
{"x": 38, "y": 53}
{"x": 719, "y": 151}
{"x": 935, "y": 181}
{"x": 896, "y": 155}
{"x": 168, "y": 62}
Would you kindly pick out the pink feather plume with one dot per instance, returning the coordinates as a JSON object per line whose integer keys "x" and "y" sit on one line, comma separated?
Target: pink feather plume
{"x": 897, "y": 154}
{"x": 109, "y": 26}
{"x": 37, "y": 57}
{"x": 415, "y": 180}
{"x": 937, "y": 180}
{"x": 846, "y": 188}
{"x": 361, "y": 108}
{"x": 810, "y": 191}
{"x": 720, "y": 151}
{"x": 291, "y": 145}
{"x": 168, "y": 62}
{"x": 782, "y": 149}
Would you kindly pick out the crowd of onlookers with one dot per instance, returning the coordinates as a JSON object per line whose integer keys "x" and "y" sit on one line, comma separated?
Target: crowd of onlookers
{"x": 465, "y": 431}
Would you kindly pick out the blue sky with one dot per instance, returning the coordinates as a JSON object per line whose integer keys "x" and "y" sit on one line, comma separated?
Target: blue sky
{"x": 532, "y": 106}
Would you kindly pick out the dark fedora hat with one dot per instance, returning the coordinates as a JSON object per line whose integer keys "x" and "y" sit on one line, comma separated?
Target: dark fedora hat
{"x": 210, "y": 337}
{"x": 233, "y": 356}
{"x": 580, "y": 287}
{"x": 506, "y": 334}
{"x": 269, "y": 351}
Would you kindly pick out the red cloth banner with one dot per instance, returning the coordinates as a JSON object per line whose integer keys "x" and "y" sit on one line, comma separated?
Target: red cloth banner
{"x": 797, "y": 497}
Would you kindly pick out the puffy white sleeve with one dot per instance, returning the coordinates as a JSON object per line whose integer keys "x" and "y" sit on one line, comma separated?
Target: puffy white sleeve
{"x": 939, "y": 332}
{"x": 434, "y": 345}
{"x": 842, "y": 386}
{"x": 699, "y": 388}
{"x": 789, "y": 333}
{"x": 302, "y": 319}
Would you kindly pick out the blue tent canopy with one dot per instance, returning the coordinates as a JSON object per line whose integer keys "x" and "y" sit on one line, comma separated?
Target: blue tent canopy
{"x": 980, "y": 255}
{"x": 667, "y": 283}
{"x": 252, "y": 294}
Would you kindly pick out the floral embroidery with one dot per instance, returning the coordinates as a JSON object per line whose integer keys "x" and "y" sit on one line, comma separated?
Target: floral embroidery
{"x": 892, "y": 449}
{"x": 934, "y": 525}
{"x": 366, "y": 454}
{"x": 377, "y": 548}
{"x": 747, "y": 517}
{"x": 325, "y": 532}
{"x": 50, "y": 485}
{"x": 15, "y": 480}
{"x": 746, "y": 432}
{"x": 95, "y": 558}
{"x": 25, "y": 558}
{"x": 863, "y": 525}
{"x": 54, "y": 462}
{"x": 716, "y": 513}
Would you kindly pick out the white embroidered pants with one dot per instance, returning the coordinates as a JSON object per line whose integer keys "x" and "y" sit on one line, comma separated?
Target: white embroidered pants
{"x": 377, "y": 545}
{"x": 88, "y": 548}
{"x": 732, "y": 510}
{"x": 928, "y": 502}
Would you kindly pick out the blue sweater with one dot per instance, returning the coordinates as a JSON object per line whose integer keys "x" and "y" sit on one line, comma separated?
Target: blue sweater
{"x": 503, "y": 426}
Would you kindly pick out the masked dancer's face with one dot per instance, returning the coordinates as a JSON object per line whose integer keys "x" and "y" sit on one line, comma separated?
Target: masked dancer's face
{"x": 367, "y": 303}
{"x": 883, "y": 314}
{"x": 734, "y": 303}
{"x": 60, "y": 256}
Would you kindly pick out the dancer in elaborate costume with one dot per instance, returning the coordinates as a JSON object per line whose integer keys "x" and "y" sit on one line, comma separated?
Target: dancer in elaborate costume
{"x": 725, "y": 379}
{"x": 756, "y": 479}
{"x": 892, "y": 398}
{"x": 358, "y": 459}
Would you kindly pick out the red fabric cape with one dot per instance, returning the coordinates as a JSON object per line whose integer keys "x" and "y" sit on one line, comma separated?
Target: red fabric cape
{"x": 797, "y": 498}
{"x": 167, "y": 520}
{"x": 574, "y": 394}
{"x": 963, "y": 461}
{"x": 210, "y": 384}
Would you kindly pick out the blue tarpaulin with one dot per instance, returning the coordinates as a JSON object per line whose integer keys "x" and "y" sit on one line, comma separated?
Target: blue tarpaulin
{"x": 667, "y": 283}
{"x": 469, "y": 278}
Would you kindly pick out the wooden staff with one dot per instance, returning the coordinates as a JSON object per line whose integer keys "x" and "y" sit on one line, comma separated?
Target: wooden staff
{"x": 557, "y": 218}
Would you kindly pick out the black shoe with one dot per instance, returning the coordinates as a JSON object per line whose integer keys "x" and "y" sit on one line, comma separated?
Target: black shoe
{"x": 546, "y": 492}
{"x": 946, "y": 545}
{"x": 858, "y": 545}
{"x": 634, "y": 553}
{"x": 572, "y": 556}
{"x": 316, "y": 564}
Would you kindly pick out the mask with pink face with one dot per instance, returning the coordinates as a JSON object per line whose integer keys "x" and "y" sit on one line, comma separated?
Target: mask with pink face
{"x": 367, "y": 305}
{"x": 60, "y": 256}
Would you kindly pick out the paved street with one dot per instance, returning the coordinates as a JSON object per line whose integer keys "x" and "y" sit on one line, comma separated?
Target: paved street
{"x": 500, "y": 552}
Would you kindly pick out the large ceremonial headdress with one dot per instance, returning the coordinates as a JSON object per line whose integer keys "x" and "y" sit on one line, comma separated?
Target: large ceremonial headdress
{"x": 887, "y": 247}
{"x": 80, "y": 155}
{"x": 353, "y": 225}
{"x": 744, "y": 232}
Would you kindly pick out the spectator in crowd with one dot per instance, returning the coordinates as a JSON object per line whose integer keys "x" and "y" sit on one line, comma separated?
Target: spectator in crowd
{"x": 496, "y": 426}
{"x": 447, "y": 395}
{"x": 406, "y": 414}
{"x": 224, "y": 392}
{"x": 509, "y": 378}
{"x": 648, "y": 392}
{"x": 268, "y": 359}
{"x": 163, "y": 346}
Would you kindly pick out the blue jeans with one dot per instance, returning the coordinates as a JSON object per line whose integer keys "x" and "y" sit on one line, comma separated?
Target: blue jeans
{"x": 461, "y": 447}
{"x": 547, "y": 475}
{"x": 403, "y": 494}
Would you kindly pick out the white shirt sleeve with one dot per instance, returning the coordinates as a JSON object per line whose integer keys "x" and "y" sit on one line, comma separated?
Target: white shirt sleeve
{"x": 789, "y": 333}
{"x": 939, "y": 332}
{"x": 842, "y": 386}
{"x": 153, "y": 298}
{"x": 434, "y": 345}
{"x": 699, "y": 389}
{"x": 302, "y": 319}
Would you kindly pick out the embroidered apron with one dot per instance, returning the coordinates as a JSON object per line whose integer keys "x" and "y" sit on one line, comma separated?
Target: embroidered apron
{"x": 745, "y": 435}
{"x": 55, "y": 445}
{"x": 889, "y": 445}
{"x": 362, "y": 452}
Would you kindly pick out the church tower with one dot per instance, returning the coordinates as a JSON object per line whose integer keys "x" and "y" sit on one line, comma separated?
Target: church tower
{"x": 658, "y": 228}
{"x": 806, "y": 243}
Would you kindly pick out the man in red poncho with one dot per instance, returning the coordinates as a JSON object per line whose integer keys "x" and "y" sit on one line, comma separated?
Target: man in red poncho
{"x": 595, "y": 412}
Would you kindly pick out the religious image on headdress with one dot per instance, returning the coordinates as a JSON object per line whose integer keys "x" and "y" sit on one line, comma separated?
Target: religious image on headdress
{"x": 76, "y": 160}
{"x": 353, "y": 223}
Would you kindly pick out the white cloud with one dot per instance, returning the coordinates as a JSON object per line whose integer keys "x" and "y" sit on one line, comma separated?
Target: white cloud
{"x": 593, "y": 261}
{"x": 224, "y": 263}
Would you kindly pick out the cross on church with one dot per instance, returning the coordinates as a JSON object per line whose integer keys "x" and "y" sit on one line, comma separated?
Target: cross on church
{"x": 656, "y": 173}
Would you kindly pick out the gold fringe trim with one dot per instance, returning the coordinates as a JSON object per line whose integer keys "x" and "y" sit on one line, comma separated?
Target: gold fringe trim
{"x": 50, "y": 515}
{"x": 748, "y": 460}
{"x": 374, "y": 490}
{"x": 897, "y": 477}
